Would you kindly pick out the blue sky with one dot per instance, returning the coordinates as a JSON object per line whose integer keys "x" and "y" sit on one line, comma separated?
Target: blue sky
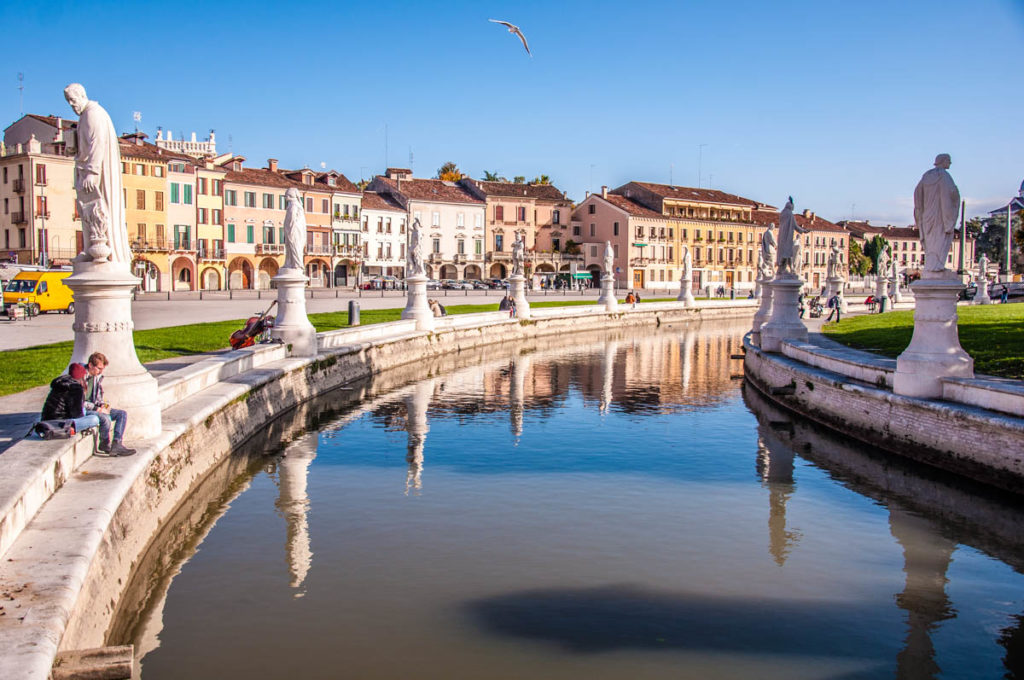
{"x": 843, "y": 105}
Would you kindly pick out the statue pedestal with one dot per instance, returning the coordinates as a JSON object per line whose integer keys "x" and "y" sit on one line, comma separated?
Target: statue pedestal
{"x": 981, "y": 297}
{"x": 103, "y": 323}
{"x": 835, "y": 286}
{"x": 518, "y": 285}
{"x": 763, "y": 313}
{"x": 292, "y": 326}
{"x": 686, "y": 294}
{"x": 894, "y": 285}
{"x": 607, "y": 297}
{"x": 881, "y": 289}
{"x": 785, "y": 323}
{"x": 416, "y": 306}
{"x": 934, "y": 351}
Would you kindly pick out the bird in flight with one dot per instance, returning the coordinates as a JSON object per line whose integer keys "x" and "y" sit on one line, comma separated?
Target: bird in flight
{"x": 513, "y": 29}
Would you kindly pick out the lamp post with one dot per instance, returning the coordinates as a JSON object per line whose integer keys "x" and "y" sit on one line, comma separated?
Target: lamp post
{"x": 1009, "y": 239}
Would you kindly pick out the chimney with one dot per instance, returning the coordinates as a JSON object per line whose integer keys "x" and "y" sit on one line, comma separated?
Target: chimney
{"x": 604, "y": 191}
{"x": 272, "y": 164}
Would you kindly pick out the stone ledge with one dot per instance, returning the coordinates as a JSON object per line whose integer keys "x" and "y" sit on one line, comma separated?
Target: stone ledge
{"x": 184, "y": 382}
{"x": 995, "y": 394}
{"x": 851, "y": 363}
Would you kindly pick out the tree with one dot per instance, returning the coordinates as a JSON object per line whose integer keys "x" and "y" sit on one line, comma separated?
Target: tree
{"x": 860, "y": 264}
{"x": 362, "y": 184}
{"x": 449, "y": 172}
{"x": 519, "y": 179}
{"x": 990, "y": 233}
{"x": 493, "y": 177}
{"x": 873, "y": 248}
{"x": 543, "y": 179}
{"x": 572, "y": 248}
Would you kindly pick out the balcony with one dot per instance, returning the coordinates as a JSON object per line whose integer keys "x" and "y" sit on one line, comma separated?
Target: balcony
{"x": 435, "y": 258}
{"x": 320, "y": 249}
{"x": 19, "y": 186}
{"x": 460, "y": 258}
{"x": 182, "y": 245}
{"x": 270, "y": 249}
{"x": 216, "y": 253}
{"x": 150, "y": 246}
{"x": 499, "y": 256}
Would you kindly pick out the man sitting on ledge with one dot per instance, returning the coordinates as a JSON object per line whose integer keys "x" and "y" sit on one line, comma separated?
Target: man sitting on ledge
{"x": 94, "y": 405}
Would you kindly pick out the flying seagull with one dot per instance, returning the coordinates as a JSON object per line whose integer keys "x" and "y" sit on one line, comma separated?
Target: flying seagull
{"x": 512, "y": 28}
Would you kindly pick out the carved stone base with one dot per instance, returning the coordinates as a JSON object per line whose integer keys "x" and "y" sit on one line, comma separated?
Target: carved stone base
{"x": 416, "y": 306}
{"x": 934, "y": 351}
{"x": 292, "y": 326}
{"x": 784, "y": 323}
{"x": 103, "y": 323}
{"x": 518, "y": 284}
{"x": 881, "y": 292}
{"x": 763, "y": 313}
{"x": 686, "y": 294}
{"x": 982, "y": 297}
{"x": 894, "y": 287}
{"x": 607, "y": 297}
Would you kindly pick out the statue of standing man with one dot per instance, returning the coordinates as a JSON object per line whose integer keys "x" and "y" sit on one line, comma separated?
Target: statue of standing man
{"x": 518, "y": 255}
{"x": 936, "y": 207}
{"x": 100, "y": 196}
{"x": 294, "y": 230}
{"x": 415, "y": 257}
{"x": 788, "y": 258}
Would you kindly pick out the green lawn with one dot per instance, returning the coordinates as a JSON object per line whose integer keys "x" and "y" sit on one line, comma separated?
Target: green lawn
{"x": 992, "y": 334}
{"x": 34, "y": 366}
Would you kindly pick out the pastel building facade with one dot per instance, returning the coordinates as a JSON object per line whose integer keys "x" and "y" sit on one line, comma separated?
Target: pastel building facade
{"x": 385, "y": 234}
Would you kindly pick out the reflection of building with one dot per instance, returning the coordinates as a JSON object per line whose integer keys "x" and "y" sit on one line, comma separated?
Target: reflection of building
{"x": 293, "y": 503}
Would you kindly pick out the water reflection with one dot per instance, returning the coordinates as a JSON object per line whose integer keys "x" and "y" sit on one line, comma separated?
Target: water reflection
{"x": 293, "y": 504}
{"x": 775, "y": 468}
{"x": 417, "y": 427}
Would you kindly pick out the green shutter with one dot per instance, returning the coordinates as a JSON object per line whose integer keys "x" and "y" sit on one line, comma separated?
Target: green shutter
{"x": 188, "y": 194}
{"x": 249, "y": 234}
{"x": 231, "y": 233}
{"x": 175, "y": 190}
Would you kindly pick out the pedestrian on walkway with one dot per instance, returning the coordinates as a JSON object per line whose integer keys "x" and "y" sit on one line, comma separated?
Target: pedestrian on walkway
{"x": 834, "y": 304}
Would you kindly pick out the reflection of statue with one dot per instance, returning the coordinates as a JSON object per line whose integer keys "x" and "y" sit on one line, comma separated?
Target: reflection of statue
{"x": 609, "y": 258}
{"x": 98, "y": 181}
{"x": 294, "y": 229}
{"x": 983, "y": 267}
{"x": 833, "y": 261}
{"x": 415, "y": 260}
{"x": 518, "y": 252}
{"x": 767, "y": 253}
{"x": 936, "y": 205}
{"x": 788, "y": 258}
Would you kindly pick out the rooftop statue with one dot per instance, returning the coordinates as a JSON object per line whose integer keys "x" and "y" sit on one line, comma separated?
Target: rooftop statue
{"x": 100, "y": 195}
{"x": 936, "y": 206}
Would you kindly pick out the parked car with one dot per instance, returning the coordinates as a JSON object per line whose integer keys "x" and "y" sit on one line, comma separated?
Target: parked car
{"x": 1015, "y": 289}
{"x": 969, "y": 292}
{"x": 480, "y": 285}
{"x": 40, "y": 291}
{"x": 433, "y": 284}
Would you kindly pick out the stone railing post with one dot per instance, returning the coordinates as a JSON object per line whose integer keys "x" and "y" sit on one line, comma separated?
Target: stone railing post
{"x": 292, "y": 326}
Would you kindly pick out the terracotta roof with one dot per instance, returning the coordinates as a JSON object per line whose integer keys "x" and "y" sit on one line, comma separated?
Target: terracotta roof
{"x": 376, "y": 201}
{"x": 341, "y": 183}
{"x": 512, "y": 189}
{"x": 149, "y": 151}
{"x": 691, "y": 194}
{"x": 863, "y": 229}
{"x": 818, "y": 223}
{"x": 262, "y": 177}
{"x": 52, "y": 120}
{"x": 631, "y": 207}
{"x": 429, "y": 190}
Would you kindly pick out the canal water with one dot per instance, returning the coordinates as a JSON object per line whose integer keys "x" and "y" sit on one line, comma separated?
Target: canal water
{"x": 613, "y": 506}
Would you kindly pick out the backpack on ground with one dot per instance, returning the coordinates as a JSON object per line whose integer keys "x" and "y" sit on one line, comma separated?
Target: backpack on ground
{"x": 54, "y": 429}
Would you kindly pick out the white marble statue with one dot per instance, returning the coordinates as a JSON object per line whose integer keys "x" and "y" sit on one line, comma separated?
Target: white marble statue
{"x": 983, "y": 267}
{"x": 882, "y": 264}
{"x": 294, "y": 230}
{"x": 767, "y": 253}
{"x": 834, "y": 262}
{"x": 936, "y": 207}
{"x": 414, "y": 266}
{"x": 100, "y": 195}
{"x": 687, "y": 266}
{"x": 518, "y": 255}
{"x": 609, "y": 259}
{"x": 788, "y": 258}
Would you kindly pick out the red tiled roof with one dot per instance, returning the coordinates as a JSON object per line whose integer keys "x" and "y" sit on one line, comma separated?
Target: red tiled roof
{"x": 512, "y": 189}
{"x": 691, "y": 194}
{"x": 631, "y": 207}
{"x": 430, "y": 190}
{"x": 262, "y": 177}
{"x": 149, "y": 151}
{"x": 865, "y": 230}
{"x": 341, "y": 183}
{"x": 818, "y": 223}
{"x": 376, "y": 201}
{"x": 52, "y": 120}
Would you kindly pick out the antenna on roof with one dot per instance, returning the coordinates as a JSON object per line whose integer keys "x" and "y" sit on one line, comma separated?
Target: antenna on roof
{"x": 21, "y": 93}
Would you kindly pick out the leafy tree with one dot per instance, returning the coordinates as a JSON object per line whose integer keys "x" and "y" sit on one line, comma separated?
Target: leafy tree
{"x": 543, "y": 179}
{"x": 873, "y": 248}
{"x": 362, "y": 184}
{"x": 519, "y": 179}
{"x": 990, "y": 233}
{"x": 449, "y": 172}
{"x": 572, "y": 248}
{"x": 493, "y": 177}
{"x": 860, "y": 263}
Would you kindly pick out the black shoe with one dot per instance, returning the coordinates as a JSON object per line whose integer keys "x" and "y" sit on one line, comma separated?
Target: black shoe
{"x": 120, "y": 450}
{"x": 102, "y": 450}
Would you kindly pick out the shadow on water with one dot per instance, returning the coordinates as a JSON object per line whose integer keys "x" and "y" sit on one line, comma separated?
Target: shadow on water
{"x": 624, "y": 617}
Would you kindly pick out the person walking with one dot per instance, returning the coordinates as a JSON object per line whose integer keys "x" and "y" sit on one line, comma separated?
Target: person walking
{"x": 834, "y": 305}
{"x": 95, "y": 405}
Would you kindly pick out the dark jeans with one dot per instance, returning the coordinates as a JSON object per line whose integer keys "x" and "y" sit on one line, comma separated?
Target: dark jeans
{"x": 120, "y": 419}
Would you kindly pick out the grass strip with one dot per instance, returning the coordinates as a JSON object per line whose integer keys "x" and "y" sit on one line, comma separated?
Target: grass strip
{"x": 992, "y": 334}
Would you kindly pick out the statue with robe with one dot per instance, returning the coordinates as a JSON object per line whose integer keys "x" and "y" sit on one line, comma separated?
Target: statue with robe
{"x": 609, "y": 259}
{"x": 415, "y": 250}
{"x": 834, "y": 262}
{"x": 983, "y": 267}
{"x": 99, "y": 191}
{"x": 788, "y": 258}
{"x": 882, "y": 264}
{"x": 936, "y": 208}
{"x": 294, "y": 230}
{"x": 518, "y": 255}
{"x": 767, "y": 253}
{"x": 687, "y": 266}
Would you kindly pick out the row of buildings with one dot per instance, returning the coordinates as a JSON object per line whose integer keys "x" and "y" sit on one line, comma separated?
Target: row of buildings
{"x": 199, "y": 220}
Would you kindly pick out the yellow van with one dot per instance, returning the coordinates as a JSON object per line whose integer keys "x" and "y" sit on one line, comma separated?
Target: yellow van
{"x": 40, "y": 291}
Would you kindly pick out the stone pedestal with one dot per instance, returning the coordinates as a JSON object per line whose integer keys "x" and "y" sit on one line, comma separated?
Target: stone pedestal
{"x": 934, "y": 351}
{"x": 607, "y": 297}
{"x": 686, "y": 294}
{"x": 881, "y": 291}
{"x": 763, "y": 313}
{"x": 784, "y": 323}
{"x": 518, "y": 284}
{"x": 416, "y": 306}
{"x": 835, "y": 285}
{"x": 292, "y": 326}
{"x": 894, "y": 285}
{"x": 981, "y": 297}
{"x": 103, "y": 323}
